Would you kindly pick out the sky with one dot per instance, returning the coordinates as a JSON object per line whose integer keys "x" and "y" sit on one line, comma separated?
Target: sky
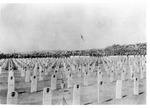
{"x": 34, "y": 27}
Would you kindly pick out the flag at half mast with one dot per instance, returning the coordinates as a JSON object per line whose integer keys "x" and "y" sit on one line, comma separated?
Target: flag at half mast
{"x": 82, "y": 38}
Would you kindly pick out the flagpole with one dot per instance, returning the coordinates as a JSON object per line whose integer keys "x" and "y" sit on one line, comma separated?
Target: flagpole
{"x": 82, "y": 47}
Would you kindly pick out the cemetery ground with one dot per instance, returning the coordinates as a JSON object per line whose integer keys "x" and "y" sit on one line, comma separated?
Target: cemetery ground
{"x": 89, "y": 95}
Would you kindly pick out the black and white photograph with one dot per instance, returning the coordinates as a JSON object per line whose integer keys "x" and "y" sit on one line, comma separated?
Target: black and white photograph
{"x": 73, "y": 53}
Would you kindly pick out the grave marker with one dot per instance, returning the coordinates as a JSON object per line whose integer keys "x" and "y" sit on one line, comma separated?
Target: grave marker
{"x": 76, "y": 94}
{"x": 141, "y": 73}
{"x": 136, "y": 86}
{"x": 27, "y": 77}
{"x": 53, "y": 82}
{"x": 56, "y": 71}
{"x": 69, "y": 80}
{"x": 123, "y": 74}
{"x": 99, "y": 76}
{"x": 11, "y": 84}
{"x": 46, "y": 71}
{"x": 132, "y": 74}
{"x": 62, "y": 85}
{"x": 22, "y": 72}
{"x": 85, "y": 78}
{"x": 10, "y": 73}
{"x": 41, "y": 75}
{"x": 67, "y": 72}
{"x": 118, "y": 89}
{"x": 33, "y": 84}
{"x": 111, "y": 76}
{"x": 12, "y": 97}
{"x": 100, "y": 89}
{"x": 47, "y": 96}
{"x": 79, "y": 72}
{"x": 35, "y": 70}
{"x": 108, "y": 70}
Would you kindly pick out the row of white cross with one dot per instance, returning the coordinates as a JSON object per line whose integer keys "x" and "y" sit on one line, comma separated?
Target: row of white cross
{"x": 85, "y": 66}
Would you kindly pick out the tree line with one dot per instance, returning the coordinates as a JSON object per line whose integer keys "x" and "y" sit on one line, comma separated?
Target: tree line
{"x": 116, "y": 49}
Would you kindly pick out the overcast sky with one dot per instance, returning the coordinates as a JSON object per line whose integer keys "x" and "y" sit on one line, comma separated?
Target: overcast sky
{"x": 28, "y": 27}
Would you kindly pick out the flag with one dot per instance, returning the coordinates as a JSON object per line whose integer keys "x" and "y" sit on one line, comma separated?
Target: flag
{"x": 82, "y": 38}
